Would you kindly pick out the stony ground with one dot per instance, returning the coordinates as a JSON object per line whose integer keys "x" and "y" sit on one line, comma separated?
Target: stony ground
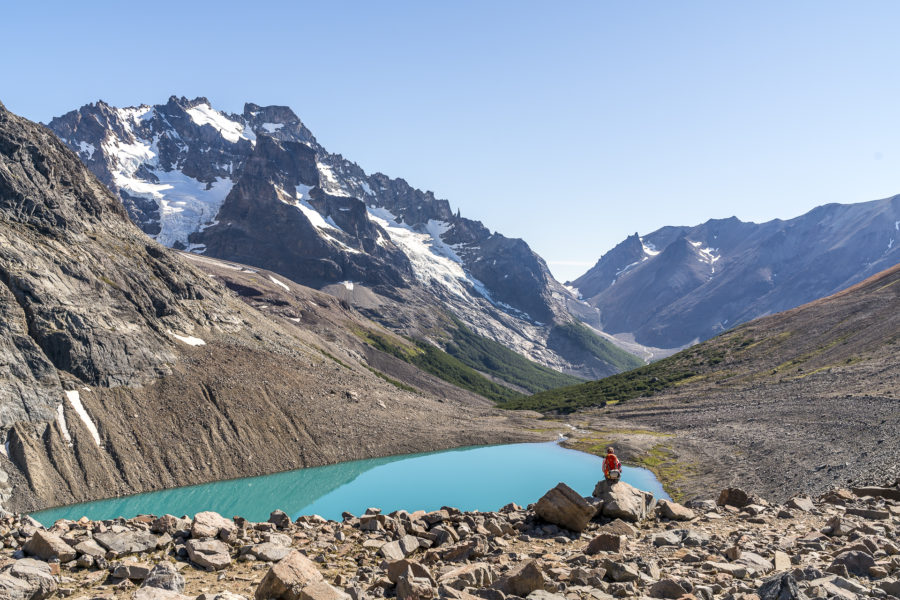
{"x": 841, "y": 545}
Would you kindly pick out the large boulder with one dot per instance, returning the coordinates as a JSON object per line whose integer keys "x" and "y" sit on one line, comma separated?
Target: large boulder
{"x": 401, "y": 548}
{"x": 165, "y": 577}
{"x": 607, "y": 542}
{"x": 856, "y": 561}
{"x": 49, "y": 546}
{"x": 13, "y": 588}
{"x": 565, "y": 507}
{"x": 127, "y": 542}
{"x": 674, "y": 511}
{"x": 522, "y": 580}
{"x": 622, "y": 501}
{"x": 477, "y": 575}
{"x": 667, "y": 588}
{"x": 735, "y": 497}
{"x": 38, "y": 576}
{"x": 209, "y": 524}
{"x": 211, "y": 554}
{"x": 780, "y": 587}
{"x": 288, "y": 577}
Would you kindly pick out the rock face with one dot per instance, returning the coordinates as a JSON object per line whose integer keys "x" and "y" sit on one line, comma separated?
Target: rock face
{"x": 679, "y": 284}
{"x": 622, "y": 501}
{"x": 92, "y": 313}
{"x": 565, "y": 507}
{"x": 257, "y": 188}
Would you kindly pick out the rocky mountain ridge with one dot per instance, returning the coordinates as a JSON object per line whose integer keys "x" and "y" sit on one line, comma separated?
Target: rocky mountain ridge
{"x": 258, "y": 189}
{"x": 679, "y": 285}
{"x": 125, "y": 368}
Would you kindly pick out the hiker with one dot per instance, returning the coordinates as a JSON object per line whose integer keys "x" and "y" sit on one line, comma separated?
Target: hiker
{"x": 612, "y": 468}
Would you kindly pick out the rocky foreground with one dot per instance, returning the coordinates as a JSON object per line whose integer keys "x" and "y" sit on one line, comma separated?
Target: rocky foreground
{"x": 618, "y": 543}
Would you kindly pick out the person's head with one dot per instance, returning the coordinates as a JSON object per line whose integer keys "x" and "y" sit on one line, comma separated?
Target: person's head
{"x": 610, "y": 450}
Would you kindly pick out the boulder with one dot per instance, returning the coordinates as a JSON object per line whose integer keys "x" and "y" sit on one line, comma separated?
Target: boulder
{"x": 674, "y": 511}
{"x": 37, "y": 574}
{"x": 782, "y": 561}
{"x": 414, "y": 588}
{"x": 399, "y": 549}
{"x": 735, "y": 497}
{"x": 667, "y": 588}
{"x": 127, "y": 542}
{"x": 607, "y": 542}
{"x": 211, "y": 554}
{"x": 623, "y": 501}
{"x": 477, "y": 575}
{"x": 49, "y": 546}
{"x": 618, "y": 527}
{"x": 13, "y": 588}
{"x": 890, "y": 586}
{"x": 91, "y": 548}
{"x": 621, "y": 571}
{"x": 270, "y": 551}
{"x": 211, "y": 524}
{"x": 280, "y": 519}
{"x": 409, "y": 568}
{"x": 801, "y": 503}
{"x": 287, "y": 577}
{"x": 169, "y": 524}
{"x": 565, "y": 507}
{"x": 780, "y": 587}
{"x": 756, "y": 564}
{"x": 165, "y": 577}
{"x": 856, "y": 561}
{"x": 545, "y": 595}
{"x": 321, "y": 590}
{"x": 155, "y": 593}
{"x": 138, "y": 571}
{"x": 878, "y": 492}
{"x": 522, "y": 580}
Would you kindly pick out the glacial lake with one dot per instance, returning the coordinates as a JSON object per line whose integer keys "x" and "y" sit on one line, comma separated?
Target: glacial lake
{"x": 475, "y": 478}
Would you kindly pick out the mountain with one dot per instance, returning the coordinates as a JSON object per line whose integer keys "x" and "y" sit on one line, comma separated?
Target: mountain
{"x": 678, "y": 285}
{"x": 258, "y": 189}
{"x": 810, "y": 395}
{"x": 126, "y": 366}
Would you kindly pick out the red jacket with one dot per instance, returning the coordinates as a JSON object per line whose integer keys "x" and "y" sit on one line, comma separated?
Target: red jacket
{"x": 611, "y": 463}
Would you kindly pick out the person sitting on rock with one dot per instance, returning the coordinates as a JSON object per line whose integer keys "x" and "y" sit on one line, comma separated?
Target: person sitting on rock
{"x": 611, "y": 463}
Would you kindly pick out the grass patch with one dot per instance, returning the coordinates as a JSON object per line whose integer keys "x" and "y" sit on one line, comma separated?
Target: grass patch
{"x": 392, "y": 381}
{"x": 670, "y": 472}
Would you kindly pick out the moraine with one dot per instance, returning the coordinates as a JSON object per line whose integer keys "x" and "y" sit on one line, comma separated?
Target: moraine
{"x": 477, "y": 478}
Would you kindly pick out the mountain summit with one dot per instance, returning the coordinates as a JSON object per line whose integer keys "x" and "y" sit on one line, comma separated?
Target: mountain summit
{"x": 258, "y": 188}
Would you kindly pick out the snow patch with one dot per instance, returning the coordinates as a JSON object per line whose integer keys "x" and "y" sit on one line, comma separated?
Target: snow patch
{"x": 348, "y": 285}
{"x": 322, "y": 224}
{"x": 897, "y": 225}
{"x": 272, "y": 127}
{"x": 204, "y": 114}
{"x": 329, "y": 182}
{"x": 61, "y": 421}
{"x": 891, "y": 244}
{"x": 574, "y": 291}
{"x": 280, "y": 283}
{"x": 75, "y": 400}
{"x": 365, "y": 187}
{"x": 649, "y": 249}
{"x": 88, "y": 149}
{"x": 187, "y": 339}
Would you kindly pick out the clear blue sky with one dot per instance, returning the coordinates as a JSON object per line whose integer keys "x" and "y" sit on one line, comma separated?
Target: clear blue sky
{"x": 568, "y": 124}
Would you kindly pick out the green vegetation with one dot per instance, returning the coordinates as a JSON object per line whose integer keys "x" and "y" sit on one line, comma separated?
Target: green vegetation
{"x": 579, "y": 336}
{"x": 440, "y": 364}
{"x": 392, "y": 381}
{"x": 491, "y": 357}
{"x": 617, "y": 388}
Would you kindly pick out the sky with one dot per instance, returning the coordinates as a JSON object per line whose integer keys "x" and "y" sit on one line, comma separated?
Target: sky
{"x": 569, "y": 124}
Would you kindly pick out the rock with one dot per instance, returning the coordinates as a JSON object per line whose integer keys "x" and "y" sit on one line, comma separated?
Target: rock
{"x": 522, "y": 580}
{"x": 623, "y": 501}
{"x": 667, "y": 588}
{"x": 127, "y": 542}
{"x": 211, "y": 554}
{"x": 221, "y": 596}
{"x": 857, "y": 562}
{"x": 756, "y": 564}
{"x": 878, "y": 492}
{"x": 667, "y": 538}
{"x": 544, "y": 595}
{"x": 780, "y": 587}
{"x": 836, "y": 527}
{"x": 210, "y": 524}
{"x": 280, "y": 519}
{"x": 606, "y": 542}
{"x": 890, "y": 586}
{"x": 287, "y": 577}
{"x": 782, "y": 561}
{"x": 674, "y": 511}
{"x": 695, "y": 537}
{"x": 169, "y": 524}
{"x": 321, "y": 590}
{"x": 735, "y": 497}
{"x": 409, "y": 568}
{"x": 165, "y": 577}
{"x": 735, "y": 570}
{"x": 414, "y": 588}
{"x": 155, "y": 593}
{"x": 472, "y": 575}
{"x": 37, "y": 574}
{"x": 870, "y": 514}
{"x": 801, "y": 503}
{"x": 270, "y": 551}
{"x": 733, "y": 553}
{"x": 399, "y": 549}
{"x": 14, "y": 588}
{"x": 621, "y": 571}
{"x": 618, "y": 527}
{"x": 49, "y": 546}
{"x": 91, "y": 548}
{"x": 565, "y": 507}
{"x": 138, "y": 571}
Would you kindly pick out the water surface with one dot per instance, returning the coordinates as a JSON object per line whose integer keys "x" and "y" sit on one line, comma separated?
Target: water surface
{"x": 476, "y": 478}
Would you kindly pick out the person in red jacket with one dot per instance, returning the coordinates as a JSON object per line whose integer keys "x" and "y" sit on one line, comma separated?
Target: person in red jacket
{"x": 611, "y": 463}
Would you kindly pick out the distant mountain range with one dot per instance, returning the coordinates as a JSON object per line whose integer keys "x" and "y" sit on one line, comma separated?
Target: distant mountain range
{"x": 679, "y": 285}
{"x": 257, "y": 188}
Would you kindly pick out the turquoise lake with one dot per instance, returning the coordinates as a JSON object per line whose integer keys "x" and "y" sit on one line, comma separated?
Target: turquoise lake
{"x": 476, "y": 478}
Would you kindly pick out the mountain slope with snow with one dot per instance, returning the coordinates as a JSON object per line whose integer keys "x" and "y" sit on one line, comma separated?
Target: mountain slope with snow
{"x": 678, "y": 285}
{"x": 257, "y": 188}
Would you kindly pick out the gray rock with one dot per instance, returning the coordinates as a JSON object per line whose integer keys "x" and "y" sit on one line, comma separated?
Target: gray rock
{"x": 166, "y": 577}
{"x": 544, "y": 595}
{"x": 755, "y": 563}
{"x": 287, "y": 577}
{"x": 414, "y": 588}
{"x": 212, "y": 554}
{"x": 409, "y": 568}
{"x": 155, "y": 593}
{"x": 801, "y": 503}
{"x": 523, "y": 580}
{"x": 857, "y": 562}
{"x": 91, "y": 548}
{"x": 565, "y": 507}
{"x": 280, "y": 519}
{"x": 890, "y": 586}
{"x": 606, "y": 542}
{"x": 623, "y": 501}
{"x": 734, "y": 497}
{"x": 667, "y": 588}
{"x": 621, "y": 572}
{"x": 49, "y": 546}
{"x": 37, "y": 575}
{"x": 476, "y": 575}
{"x": 209, "y": 524}
{"x": 674, "y": 511}
{"x": 399, "y": 549}
{"x": 15, "y": 588}
{"x": 137, "y": 571}
{"x": 780, "y": 587}
{"x": 270, "y": 551}
{"x": 322, "y": 590}
{"x": 127, "y": 542}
